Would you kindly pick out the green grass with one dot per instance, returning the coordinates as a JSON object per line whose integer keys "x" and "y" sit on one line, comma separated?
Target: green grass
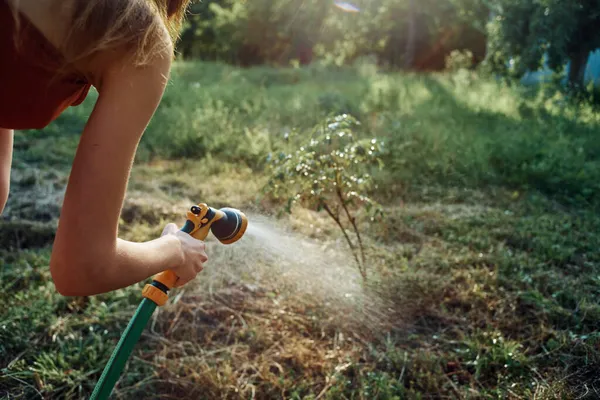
{"x": 486, "y": 266}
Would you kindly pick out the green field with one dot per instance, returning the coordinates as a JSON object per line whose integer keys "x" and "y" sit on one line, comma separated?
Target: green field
{"x": 483, "y": 276}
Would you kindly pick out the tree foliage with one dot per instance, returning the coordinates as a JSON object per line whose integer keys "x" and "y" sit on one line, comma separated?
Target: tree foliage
{"x": 515, "y": 36}
{"x": 526, "y": 34}
{"x": 283, "y": 31}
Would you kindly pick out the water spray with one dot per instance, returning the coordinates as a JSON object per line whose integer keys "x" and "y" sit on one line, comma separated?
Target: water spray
{"x": 228, "y": 225}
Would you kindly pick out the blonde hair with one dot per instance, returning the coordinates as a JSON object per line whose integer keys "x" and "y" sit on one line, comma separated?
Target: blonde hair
{"x": 138, "y": 28}
{"x": 142, "y": 28}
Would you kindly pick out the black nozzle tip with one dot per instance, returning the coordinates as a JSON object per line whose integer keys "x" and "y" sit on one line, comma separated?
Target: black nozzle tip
{"x": 231, "y": 227}
{"x": 196, "y": 210}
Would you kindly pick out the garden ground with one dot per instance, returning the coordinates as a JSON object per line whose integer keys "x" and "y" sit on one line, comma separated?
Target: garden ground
{"x": 483, "y": 275}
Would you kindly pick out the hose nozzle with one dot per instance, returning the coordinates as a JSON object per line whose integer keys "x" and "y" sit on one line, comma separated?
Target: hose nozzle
{"x": 227, "y": 224}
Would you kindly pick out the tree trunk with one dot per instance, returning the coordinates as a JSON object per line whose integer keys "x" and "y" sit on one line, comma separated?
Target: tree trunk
{"x": 409, "y": 53}
{"x": 577, "y": 69}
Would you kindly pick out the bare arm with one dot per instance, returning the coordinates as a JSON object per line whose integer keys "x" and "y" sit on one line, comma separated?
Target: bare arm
{"x": 6, "y": 150}
{"x": 88, "y": 258}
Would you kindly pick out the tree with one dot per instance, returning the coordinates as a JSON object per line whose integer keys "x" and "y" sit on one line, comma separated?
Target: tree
{"x": 526, "y": 33}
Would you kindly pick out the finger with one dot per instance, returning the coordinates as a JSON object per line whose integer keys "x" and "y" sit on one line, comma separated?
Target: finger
{"x": 181, "y": 282}
{"x": 199, "y": 268}
{"x": 187, "y": 277}
{"x": 169, "y": 229}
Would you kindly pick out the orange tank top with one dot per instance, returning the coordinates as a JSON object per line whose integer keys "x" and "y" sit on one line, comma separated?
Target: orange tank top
{"x": 31, "y": 96}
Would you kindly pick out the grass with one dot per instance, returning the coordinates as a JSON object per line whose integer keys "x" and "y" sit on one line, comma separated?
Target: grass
{"x": 484, "y": 278}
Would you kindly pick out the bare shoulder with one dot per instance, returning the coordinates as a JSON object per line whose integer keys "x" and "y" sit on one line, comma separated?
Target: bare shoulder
{"x": 117, "y": 72}
{"x": 118, "y": 67}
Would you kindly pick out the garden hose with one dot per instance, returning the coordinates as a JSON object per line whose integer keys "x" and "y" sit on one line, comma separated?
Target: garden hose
{"x": 228, "y": 225}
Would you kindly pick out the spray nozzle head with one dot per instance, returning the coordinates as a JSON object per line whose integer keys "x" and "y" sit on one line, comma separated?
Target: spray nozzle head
{"x": 227, "y": 224}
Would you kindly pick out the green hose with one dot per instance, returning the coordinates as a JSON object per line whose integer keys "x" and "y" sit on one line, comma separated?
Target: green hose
{"x": 128, "y": 340}
{"x": 117, "y": 361}
{"x": 229, "y": 226}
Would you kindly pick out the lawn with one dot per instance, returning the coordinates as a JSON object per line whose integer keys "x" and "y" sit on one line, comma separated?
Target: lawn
{"x": 484, "y": 274}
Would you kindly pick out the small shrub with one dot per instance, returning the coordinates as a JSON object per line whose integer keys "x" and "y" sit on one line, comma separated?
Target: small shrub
{"x": 331, "y": 172}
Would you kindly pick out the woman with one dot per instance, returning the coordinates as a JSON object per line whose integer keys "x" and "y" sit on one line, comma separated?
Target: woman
{"x": 51, "y": 52}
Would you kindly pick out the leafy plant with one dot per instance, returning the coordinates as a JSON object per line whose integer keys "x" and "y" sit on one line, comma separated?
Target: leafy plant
{"x": 331, "y": 172}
